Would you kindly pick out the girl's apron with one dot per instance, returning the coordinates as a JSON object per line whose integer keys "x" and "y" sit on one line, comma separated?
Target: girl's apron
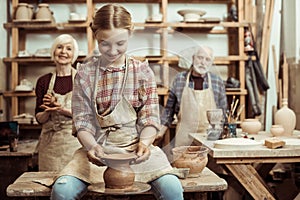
{"x": 56, "y": 143}
{"x": 118, "y": 135}
{"x": 192, "y": 115}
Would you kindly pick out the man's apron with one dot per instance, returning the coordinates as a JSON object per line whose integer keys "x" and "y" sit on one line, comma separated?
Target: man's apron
{"x": 56, "y": 143}
{"x": 192, "y": 115}
{"x": 118, "y": 135}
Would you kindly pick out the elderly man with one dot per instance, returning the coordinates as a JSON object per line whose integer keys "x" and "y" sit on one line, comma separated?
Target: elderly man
{"x": 191, "y": 94}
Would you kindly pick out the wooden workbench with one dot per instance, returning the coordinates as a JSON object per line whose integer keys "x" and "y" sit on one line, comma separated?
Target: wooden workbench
{"x": 13, "y": 164}
{"x": 26, "y": 186}
{"x": 240, "y": 162}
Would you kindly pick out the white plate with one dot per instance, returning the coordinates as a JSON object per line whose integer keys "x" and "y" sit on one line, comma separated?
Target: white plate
{"x": 292, "y": 142}
{"x": 237, "y": 143}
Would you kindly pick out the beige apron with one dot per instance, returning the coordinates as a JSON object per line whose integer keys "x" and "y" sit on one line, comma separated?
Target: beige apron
{"x": 192, "y": 115}
{"x": 118, "y": 135}
{"x": 56, "y": 143}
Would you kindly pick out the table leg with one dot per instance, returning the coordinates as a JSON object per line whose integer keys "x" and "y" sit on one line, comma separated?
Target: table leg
{"x": 250, "y": 179}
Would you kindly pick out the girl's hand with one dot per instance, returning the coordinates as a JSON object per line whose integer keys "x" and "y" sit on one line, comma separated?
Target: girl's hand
{"x": 143, "y": 153}
{"x": 94, "y": 155}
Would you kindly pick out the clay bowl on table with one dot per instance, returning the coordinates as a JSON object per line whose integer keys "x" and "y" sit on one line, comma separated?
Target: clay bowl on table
{"x": 277, "y": 130}
{"x": 118, "y": 174}
{"x": 251, "y": 126}
{"x": 192, "y": 157}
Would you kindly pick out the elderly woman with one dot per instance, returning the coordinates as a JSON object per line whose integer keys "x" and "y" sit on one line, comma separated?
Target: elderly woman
{"x": 53, "y": 107}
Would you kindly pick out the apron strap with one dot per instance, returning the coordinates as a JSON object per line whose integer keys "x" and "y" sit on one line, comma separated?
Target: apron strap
{"x": 53, "y": 78}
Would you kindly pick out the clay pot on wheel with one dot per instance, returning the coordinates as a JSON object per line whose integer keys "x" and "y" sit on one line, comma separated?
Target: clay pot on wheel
{"x": 192, "y": 157}
{"x": 118, "y": 174}
{"x": 251, "y": 126}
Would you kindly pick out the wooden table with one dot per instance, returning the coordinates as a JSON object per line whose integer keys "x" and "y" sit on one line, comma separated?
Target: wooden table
{"x": 25, "y": 186}
{"x": 13, "y": 164}
{"x": 240, "y": 162}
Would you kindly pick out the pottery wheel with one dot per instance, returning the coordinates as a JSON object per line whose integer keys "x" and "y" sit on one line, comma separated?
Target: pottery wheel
{"x": 137, "y": 188}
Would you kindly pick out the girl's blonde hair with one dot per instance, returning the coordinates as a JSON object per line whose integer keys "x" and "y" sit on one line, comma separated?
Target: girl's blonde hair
{"x": 111, "y": 16}
{"x": 62, "y": 39}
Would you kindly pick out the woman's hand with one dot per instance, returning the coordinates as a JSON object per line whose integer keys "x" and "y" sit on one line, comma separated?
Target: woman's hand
{"x": 50, "y": 100}
{"x": 94, "y": 155}
{"x": 143, "y": 153}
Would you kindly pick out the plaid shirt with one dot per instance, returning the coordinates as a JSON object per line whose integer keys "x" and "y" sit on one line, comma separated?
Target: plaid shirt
{"x": 174, "y": 98}
{"x": 140, "y": 90}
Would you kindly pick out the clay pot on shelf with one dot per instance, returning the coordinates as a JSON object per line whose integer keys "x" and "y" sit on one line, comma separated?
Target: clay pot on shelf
{"x": 192, "y": 157}
{"x": 118, "y": 174}
{"x": 22, "y": 12}
{"x": 277, "y": 130}
{"x": 286, "y": 117}
{"x": 251, "y": 126}
{"x": 43, "y": 12}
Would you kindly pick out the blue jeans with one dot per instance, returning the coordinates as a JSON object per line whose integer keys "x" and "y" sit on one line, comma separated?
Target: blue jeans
{"x": 167, "y": 187}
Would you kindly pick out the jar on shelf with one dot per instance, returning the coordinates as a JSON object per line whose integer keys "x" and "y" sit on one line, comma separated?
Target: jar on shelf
{"x": 286, "y": 117}
{"x": 43, "y": 12}
{"x": 22, "y": 13}
{"x": 30, "y": 11}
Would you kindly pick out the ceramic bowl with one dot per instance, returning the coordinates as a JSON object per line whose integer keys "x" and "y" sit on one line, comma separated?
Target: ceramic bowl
{"x": 277, "y": 130}
{"x": 193, "y": 157}
{"x": 251, "y": 126}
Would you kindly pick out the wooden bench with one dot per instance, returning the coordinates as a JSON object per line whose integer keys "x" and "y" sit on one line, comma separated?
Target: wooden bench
{"x": 25, "y": 187}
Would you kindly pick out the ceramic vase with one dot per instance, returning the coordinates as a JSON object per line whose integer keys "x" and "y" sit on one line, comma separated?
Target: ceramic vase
{"x": 118, "y": 174}
{"x": 251, "y": 126}
{"x": 192, "y": 157}
{"x": 43, "y": 13}
{"x": 22, "y": 12}
{"x": 277, "y": 130}
{"x": 286, "y": 117}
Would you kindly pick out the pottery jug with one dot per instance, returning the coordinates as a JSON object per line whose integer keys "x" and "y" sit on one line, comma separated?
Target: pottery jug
{"x": 22, "y": 12}
{"x": 192, "y": 157}
{"x": 286, "y": 117}
{"x": 277, "y": 130}
{"x": 118, "y": 174}
{"x": 251, "y": 126}
{"x": 43, "y": 13}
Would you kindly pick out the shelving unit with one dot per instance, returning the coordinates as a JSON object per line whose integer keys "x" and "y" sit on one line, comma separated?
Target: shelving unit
{"x": 235, "y": 31}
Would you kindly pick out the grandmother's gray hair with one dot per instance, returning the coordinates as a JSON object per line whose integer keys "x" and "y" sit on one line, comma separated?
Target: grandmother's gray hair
{"x": 62, "y": 39}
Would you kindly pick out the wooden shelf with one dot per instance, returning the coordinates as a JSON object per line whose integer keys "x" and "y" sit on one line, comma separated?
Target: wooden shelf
{"x": 36, "y": 60}
{"x": 19, "y": 94}
{"x": 236, "y": 57}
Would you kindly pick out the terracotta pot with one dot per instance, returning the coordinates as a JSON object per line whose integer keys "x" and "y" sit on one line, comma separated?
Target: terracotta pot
{"x": 277, "y": 130}
{"x": 192, "y": 157}
{"x": 22, "y": 12}
{"x": 286, "y": 117}
{"x": 251, "y": 126}
{"x": 43, "y": 13}
{"x": 118, "y": 174}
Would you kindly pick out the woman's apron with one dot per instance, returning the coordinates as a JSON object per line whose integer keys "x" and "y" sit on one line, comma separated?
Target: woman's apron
{"x": 56, "y": 143}
{"x": 118, "y": 135}
{"x": 192, "y": 115}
